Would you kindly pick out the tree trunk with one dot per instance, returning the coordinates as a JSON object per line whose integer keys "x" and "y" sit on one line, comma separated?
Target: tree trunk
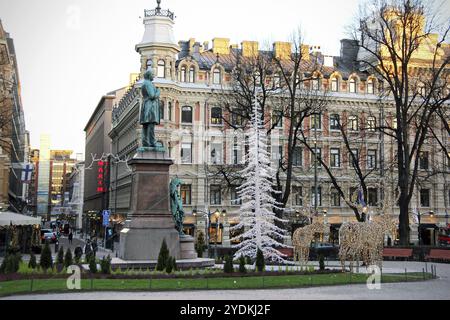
{"x": 404, "y": 220}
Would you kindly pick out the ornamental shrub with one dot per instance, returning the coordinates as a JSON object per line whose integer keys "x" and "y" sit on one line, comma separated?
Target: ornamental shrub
{"x": 321, "y": 262}
{"x": 105, "y": 265}
{"x": 68, "y": 261}
{"x": 60, "y": 257}
{"x": 260, "y": 263}
{"x": 163, "y": 257}
{"x": 169, "y": 267}
{"x": 242, "y": 268}
{"x": 78, "y": 253}
{"x": 92, "y": 264}
{"x": 200, "y": 246}
{"x": 32, "y": 264}
{"x": 228, "y": 267}
{"x": 46, "y": 261}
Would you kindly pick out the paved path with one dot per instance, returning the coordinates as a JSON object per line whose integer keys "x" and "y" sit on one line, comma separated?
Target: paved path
{"x": 438, "y": 289}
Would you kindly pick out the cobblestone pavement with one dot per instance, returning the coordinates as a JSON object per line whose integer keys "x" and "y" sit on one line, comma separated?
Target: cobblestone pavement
{"x": 438, "y": 289}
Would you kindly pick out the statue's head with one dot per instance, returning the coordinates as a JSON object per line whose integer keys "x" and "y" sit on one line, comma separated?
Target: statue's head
{"x": 148, "y": 75}
{"x": 175, "y": 182}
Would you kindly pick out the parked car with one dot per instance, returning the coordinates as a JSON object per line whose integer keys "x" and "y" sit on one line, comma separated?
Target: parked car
{"x": 48, "y": 235}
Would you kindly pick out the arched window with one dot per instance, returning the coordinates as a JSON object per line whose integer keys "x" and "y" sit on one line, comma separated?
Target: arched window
{"x": 216, "y": 115}
{"x": 334, "y": 84}
{"x": 191, "y": 74}
{"x": 161, "y": 72}
{"x": 161, "y": 109}
{"x": 217, "y": 76}
{"x": 352, "y": 85}
{"x": 183, "y": 74}
{"x": 370, "y": 86}
{"x": 186, "y": 114}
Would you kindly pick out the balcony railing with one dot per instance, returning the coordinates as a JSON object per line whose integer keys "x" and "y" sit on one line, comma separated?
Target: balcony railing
{"x": 160, "y": 13}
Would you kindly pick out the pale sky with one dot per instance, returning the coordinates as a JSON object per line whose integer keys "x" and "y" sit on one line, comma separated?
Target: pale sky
{"x": 71, "y": 52}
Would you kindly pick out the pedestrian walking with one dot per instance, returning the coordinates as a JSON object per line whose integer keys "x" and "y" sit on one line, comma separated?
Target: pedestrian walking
{"x": 70, "y": 237}
{"x": 87, "y": 248}
{"x": 94, "y": 246}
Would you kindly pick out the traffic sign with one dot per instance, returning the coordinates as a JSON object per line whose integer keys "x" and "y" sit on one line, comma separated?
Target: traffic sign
{"x": 106, "y": 214}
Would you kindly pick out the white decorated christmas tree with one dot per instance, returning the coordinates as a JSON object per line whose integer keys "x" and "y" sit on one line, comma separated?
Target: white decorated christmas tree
{"x": 257, "y": 217}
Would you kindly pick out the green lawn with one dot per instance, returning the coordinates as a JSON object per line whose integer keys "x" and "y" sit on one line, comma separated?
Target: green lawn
{"x": 256, "y": 282}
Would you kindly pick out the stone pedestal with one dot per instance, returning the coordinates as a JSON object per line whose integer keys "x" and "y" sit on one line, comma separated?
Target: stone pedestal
{"x": 187, "y": 248}
{"x": 150, "y": 217}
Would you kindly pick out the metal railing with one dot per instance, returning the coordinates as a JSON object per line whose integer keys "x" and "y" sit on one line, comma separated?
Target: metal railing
{"x": 160, "y": 13}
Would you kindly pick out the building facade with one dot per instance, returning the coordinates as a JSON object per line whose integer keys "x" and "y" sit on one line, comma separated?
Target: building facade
{"x": 76, "y": 193}
{"x": 13, "y": 139}
{"x": 98, "y": 159}
{"x": 48, "y": 193}
{"x": 197, "y": 134}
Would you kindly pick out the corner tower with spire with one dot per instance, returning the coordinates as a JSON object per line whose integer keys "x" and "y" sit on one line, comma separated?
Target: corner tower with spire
{"x": 158, "y": 48}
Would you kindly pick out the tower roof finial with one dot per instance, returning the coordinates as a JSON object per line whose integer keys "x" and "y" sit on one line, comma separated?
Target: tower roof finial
{"x": 159, "y": 4}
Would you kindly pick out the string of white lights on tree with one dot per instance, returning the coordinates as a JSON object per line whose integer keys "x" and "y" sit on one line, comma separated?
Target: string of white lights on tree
{"x": 257, "y": 217}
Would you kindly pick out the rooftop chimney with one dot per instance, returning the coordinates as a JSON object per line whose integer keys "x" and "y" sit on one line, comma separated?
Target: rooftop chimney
{"x": 282, "y": 50}
{"x": 221, "y": 45}
{"x": 250, "y": 48}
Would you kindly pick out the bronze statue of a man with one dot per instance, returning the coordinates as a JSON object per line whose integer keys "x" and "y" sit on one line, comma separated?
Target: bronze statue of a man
{"x": 150, "y": 111}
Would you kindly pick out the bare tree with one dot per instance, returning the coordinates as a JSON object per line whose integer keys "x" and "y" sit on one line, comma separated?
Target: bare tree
{"x": 355, "y": 167}
{"x": 282, "y": 82}
{"x": 397, "y": 40}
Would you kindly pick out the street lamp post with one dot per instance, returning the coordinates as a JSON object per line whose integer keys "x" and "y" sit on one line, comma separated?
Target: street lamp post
{"x": 217, "y": 215}
{"x": 418, "y": 229}
{"x": 315, "y": 165}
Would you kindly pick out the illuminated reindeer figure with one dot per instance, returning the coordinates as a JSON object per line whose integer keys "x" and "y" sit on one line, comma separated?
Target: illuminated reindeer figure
{"x": 302, "y": 237}
{"x": 365, "y": 240}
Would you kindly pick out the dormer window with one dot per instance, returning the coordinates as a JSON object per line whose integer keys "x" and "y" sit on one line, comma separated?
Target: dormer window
{"x": 217, "y": 76}
{"x": 183, "y": 74}
{"x": 334, "y": 84}
{"x": 370, "y": 86}
{"x": 161, "y": 71}
{"x": 352, "y": 85}
{"x": 191, "y": 74}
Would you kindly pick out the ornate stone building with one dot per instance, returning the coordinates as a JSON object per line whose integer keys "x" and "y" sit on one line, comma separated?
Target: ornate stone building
{"x": 192, "y": 78}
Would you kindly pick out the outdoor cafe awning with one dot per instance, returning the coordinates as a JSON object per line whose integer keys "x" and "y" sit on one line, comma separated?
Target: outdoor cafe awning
{"x": 7, "y": 218}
